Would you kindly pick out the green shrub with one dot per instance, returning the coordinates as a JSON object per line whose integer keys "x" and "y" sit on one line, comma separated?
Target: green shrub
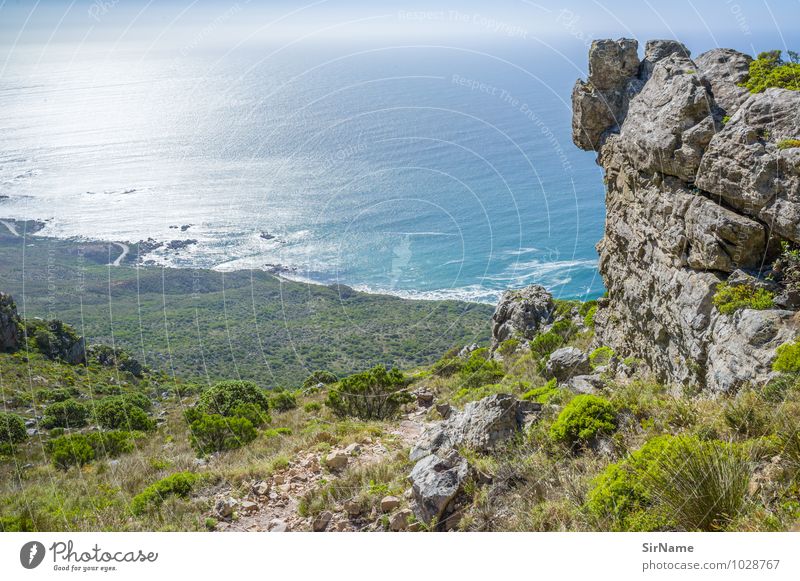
{"x": 601, "y": 356}
{"x": 312, "y": 406}
{"x": 227, "y": 395}
{"x": 118, "y": 358}
{"x": 323, "y": 377}
{"x": 588, "y": 319}
{"x": 702, "y": 484}
{"x": 788, "y": 143}
{"x": 620, "y": 494}
{"x": 122, "y": 413}
{"x": 769, "y": 70}
{"x": 12, "y": 429}
{"x": 179, "y": 484}
{"x": 584, "y": 418}
{"x": 543, "y": 394}
{"x": 745, "y": 415}
{"x": 730, "y": 298}
{"x": 282, "y": 401}
{"x": 545, "y": 343}
{"x": 58, "y": 394}
{"x": 72, "y": 450}
{"x": 508, "y": 347}
{"x": 447, "y": 367}
{"x": 54, "y": 339}
{"x": 69, "y": 413}
{"x": 787, "y": 267}
{"x": 215, "y": 433}
{"x": 110, "y": 444}
{"x": 479, "y": 370}
{"x": 250, "y": 411}
{"x": 565, "y": 329}
{"x": 787, "y": 358}
{"x": 565, "y": 308}
{"x": 376, "y": 394}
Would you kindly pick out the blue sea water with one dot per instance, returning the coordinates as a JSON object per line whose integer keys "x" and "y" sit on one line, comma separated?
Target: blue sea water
{"x": 418, "y": 170}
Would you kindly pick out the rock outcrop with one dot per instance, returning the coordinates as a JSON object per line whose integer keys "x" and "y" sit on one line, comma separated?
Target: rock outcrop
{"x": 520, "y": 314}
{"x": 10, "y": 324}
{"x": 440, "y": 471}
{"x": 689, "y": 200}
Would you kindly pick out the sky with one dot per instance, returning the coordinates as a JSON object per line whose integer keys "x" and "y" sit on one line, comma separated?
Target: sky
{"x": 209, "y": 24}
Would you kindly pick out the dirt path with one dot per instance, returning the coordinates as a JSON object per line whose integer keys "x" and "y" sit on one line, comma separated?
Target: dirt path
{"x": 125, "y": 250}
{"x": 11, "y": 227}
{"x": 276, "y": 510}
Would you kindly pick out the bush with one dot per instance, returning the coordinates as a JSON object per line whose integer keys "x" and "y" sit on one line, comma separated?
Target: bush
{"x": 110, "y": 357}
{"x": 250, "y": 411}
{"x": 323, "y": 377}
{"x": 621, "y": 495}
{"x": 702, "y": 484}
{"x": 769, "y": 70}
{"x": 282, "y": 401}
{"x": 55, "y": 339}
{"x": 601, "y": 356}
{"x": 588, "y": 318}
{"x": 584, "y": 418}
{"x": 544, "y": 394}
{"x": 478, "y": 370}
{"x": 745, "y": 415}
{"x": 447, "y": 366}
{"x": 545, "y": 343}
{"x": 225, "y": 396}
{"x": 729, "y": 299}
{"x": 12, "y": 429}
{"x": 564, "y": 329}
{"x": 376, "y": 394}
{"x": 215, "y": 433}
{"x": 312, "y": 406}
{"x": 69, "y": 413}
{"x": 110, "y": 444}
{"x": 72, "y": 450}
{"x": 787, "y": 358}
{"x": 123, "y": 413}
{"x": 179, "y": 484}
{"x": 508, "y": 347}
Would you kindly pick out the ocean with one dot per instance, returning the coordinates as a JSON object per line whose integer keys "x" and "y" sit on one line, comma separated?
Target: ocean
{"x": 424, "y": 171}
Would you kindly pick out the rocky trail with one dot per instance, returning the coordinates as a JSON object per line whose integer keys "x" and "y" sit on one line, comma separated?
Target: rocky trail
{"x": 125, "y": 250}
{"x": 11, "y": 227}
{"x": 272, "y": 504}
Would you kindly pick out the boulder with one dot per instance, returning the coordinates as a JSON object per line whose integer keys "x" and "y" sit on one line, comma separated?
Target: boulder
{"x": 585, "y": 384}
{"x": 521, "y": 313}
{"x": 336, "y": 460}
{"x": 567, "y": 362}
{"x": 224, "y": 507}
{"x": 10, "y": 324}
{"x": 321, "y": 521}
{"x": 399, "y": 520}
{"x": 436, "y": 480}
{"x": 482, "y": 425}
{"x": 389, "y": 503}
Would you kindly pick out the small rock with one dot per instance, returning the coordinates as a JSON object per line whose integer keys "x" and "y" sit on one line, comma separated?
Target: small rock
{"x": 399, "y": 520}
{"x": 567, "y": 362}
{"x": 224, "y": 507}
{"x": 30, "y": 423}
{"x": 261, "y": 488}
{"x": 389, "y": 503}
{"x": 352, "y": 508}
{"x": 199, "y": 462}
{"x": 424, "y": 398}
{"x": 277, "y": 526}
{"x": 279, "y": 479}
{"x": 321, "y": 521}
{"x": 336, "y": 460}
{"x": 353, "y": 449}
{"x": 444, "y": 409}
{"x": 249, "y": 506}
{"x": 32, "y": 431}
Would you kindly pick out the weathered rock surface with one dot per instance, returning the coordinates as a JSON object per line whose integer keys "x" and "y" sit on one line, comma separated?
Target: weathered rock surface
{"x": 521, "y": 313}
{"x": 10, "y": 326}
{"x": 567, "y": 362}
{"x": 481, "y": 425}
{"x": 436, "y": 480}
{"x": 688, "y": 201}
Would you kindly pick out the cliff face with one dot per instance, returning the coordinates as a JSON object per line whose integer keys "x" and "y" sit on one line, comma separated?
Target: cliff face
{"x": 689, "y": 201}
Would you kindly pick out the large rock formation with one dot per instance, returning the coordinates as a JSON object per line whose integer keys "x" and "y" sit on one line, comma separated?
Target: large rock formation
{"x": 521, "y": 314}
{"x": 689, "y": 200}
